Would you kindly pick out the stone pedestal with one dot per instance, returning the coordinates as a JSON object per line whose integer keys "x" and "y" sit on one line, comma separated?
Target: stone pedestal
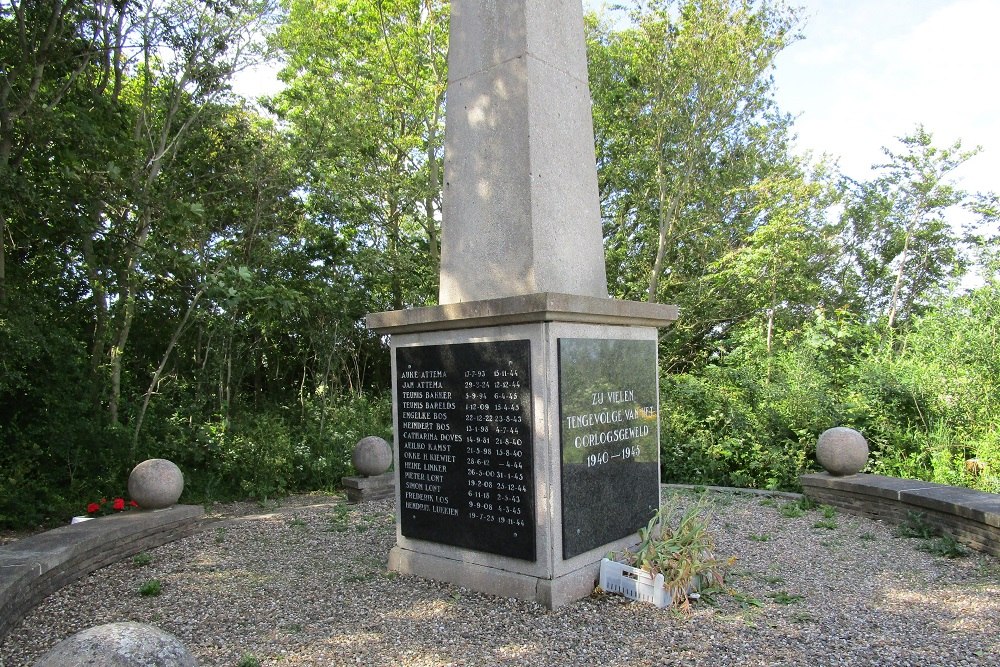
{"x": 527, "y": 444}
{"x": 362, "y": 489}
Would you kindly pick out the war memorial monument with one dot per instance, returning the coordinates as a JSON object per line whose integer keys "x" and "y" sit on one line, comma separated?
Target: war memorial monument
{"x": 525, "y": 405}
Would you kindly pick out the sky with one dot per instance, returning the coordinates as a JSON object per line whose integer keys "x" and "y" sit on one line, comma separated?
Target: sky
{"x": 868, "y": 71}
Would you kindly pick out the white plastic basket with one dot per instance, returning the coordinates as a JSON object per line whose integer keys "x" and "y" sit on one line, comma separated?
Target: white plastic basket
{"x": 633, "y": 583}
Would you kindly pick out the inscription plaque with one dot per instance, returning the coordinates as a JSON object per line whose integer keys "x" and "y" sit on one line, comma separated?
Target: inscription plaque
{"x": 465, "y": 446}
{"x": 608, "y": 408}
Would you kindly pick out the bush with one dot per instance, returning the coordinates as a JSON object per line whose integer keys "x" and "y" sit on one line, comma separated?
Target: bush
{"x": 927, "y": 399}
{"x": 273, "y": 451}
{"x": 734, "y": 427}
{"x": 55, "y": 453}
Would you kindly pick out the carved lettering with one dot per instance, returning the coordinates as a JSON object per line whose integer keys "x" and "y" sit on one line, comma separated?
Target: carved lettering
{"x": 476, "y": 494}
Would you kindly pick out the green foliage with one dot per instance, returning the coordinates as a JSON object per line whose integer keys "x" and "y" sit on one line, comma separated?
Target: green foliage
{"x": 732, "y": 427}
{"x": 151, "y": 588}
{"x": 273, "y": 453}
{"x": 683, "y": 553}
{"x": 745, "y": 600}
{"x": 371, "y": 145}
{"x": 141, "y": 559}
{"x": 945, "y": 546}
{"x": 703, "y": 204}
{"x": 904, "y": 248}
{"x": 784, "y": 597}
{"x": 158, "y": 275}
{"x": 248, "y": 660}
{"x": 916, "y": 525}
{"x": 55, "y": 454}
{"x": 933, "y": 540}
{"x": 792, "y": 510}
{"x": 924, "y": 398}
{"x": 183, "y": 277}
{"x": 340, "y": 520}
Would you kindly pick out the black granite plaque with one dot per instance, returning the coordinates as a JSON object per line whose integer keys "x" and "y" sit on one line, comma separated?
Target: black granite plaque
{"x": 465, "y": 446}
{"x": 608, "y": 424}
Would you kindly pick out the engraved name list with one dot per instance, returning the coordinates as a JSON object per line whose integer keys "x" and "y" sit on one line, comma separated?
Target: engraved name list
{"x": 465, "y": 448}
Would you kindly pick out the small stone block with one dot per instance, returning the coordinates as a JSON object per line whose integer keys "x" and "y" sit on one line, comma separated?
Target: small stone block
{"x": 364, "y": 489}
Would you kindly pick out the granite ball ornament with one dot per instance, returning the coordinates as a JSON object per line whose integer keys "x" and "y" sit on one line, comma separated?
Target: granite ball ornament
{"x": 372, "y": 456}
{"x": 119, "y": 645}
{"x": 155, "y": 484}
{"x": 842, "y": 451}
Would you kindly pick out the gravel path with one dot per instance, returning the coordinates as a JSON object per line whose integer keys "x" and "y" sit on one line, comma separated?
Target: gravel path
{"x": 307, "y": 585}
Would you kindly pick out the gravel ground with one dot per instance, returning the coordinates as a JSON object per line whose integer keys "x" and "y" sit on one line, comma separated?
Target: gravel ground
{"x": 306, "y": 584}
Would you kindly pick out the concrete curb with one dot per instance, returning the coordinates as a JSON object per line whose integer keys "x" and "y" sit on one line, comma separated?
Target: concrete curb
{"x": 971, "y": 517}
{"x": 37, "y": 566}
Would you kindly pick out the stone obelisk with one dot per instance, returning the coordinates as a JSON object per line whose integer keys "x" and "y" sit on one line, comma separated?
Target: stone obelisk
{"x": 525, "y": 405}
{"x": 521, "y": 206}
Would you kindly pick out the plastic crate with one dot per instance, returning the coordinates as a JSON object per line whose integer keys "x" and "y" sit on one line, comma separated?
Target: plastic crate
{"x": 633, "y": 583}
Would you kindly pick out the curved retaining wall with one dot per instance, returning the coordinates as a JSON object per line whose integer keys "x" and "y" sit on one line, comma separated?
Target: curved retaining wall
{"x": 971, "y": 517}
{"x": 37, "y": 566}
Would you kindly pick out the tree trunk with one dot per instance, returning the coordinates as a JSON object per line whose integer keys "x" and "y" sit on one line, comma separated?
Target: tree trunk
{"x": 900, "y": 277}
{"x": 3, "y": 256}
{"x": 159, "y": 370}
{"x": 669, "y": 203}
{"x": 326, "y": 390}
{"x": 665, "y": 226}
{"x": 429, "y": 195}
{"x": 100, "y": 299}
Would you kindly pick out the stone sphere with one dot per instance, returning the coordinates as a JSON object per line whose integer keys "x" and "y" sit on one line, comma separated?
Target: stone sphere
{"x": 842, "y": 451}
{"x": 372, "y": 456}
{"x": 155, "y": 484}
{"x": 119, "y": 645}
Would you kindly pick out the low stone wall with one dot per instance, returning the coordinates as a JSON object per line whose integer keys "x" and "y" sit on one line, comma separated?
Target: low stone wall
{"x": 971, "y": 517}
{"x": 37, "y": 566}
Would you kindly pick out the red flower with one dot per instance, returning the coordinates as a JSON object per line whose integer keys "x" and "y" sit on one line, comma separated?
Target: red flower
{"x": 93, "y": 507}
{"x": 132, "y": 503}
{"x": 118, "y": 505}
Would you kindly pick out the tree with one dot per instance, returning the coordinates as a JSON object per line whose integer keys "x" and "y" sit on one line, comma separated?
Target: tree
{"x": 901, "y": 235}
{"x": 693, "y": 158}
{"x": 186, "y": 52}
{"x": 686, "y": 94}
{"x": 45, "y": 50}
{"x": 782, "y": 270}
{"x": 364, "y": 102}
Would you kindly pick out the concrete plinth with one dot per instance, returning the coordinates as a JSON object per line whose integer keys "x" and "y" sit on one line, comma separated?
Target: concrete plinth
{"x": 554, "y": 592}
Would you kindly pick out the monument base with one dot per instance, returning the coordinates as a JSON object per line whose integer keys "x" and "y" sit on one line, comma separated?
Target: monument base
{"x": 552, "y": 593}
{"x": 526, "y": 433}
